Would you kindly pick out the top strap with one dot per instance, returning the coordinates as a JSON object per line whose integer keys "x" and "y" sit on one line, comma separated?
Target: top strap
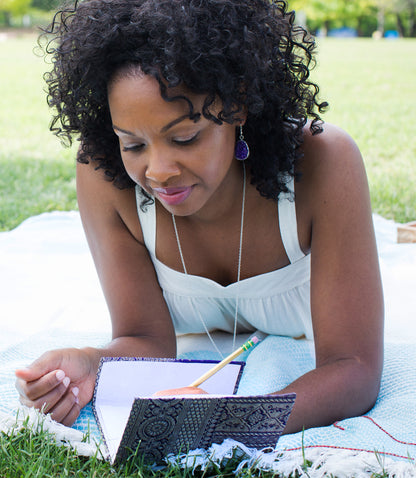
{"x": 288, "y": 223}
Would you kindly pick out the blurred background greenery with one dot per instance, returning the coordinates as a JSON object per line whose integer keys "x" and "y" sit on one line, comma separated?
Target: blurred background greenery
{"x": 363, "y": 16}
{"x": 369, "y": 83}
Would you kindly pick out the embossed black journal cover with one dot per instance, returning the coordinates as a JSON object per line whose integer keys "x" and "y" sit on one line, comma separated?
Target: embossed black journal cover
{"x": 128, "y": 416}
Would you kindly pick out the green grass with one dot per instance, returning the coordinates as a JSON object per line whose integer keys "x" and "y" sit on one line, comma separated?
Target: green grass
{"x": 36, "y": 173}
{"x": 36, "y": 454}
{"x": 369, "y": 84}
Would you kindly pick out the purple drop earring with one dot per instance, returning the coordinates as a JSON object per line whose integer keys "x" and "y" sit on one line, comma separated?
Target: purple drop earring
{"x": 242, "y": 151}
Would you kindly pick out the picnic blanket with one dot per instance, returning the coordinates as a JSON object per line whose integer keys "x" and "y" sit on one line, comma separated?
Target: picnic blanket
{"x": 50, "y": 297}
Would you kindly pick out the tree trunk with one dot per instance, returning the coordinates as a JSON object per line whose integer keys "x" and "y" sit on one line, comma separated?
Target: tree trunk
{"x": 412, "y": 19}
{"x": 380, "y": 20}
{"x": 400, "y": 25}
{"x": 7, "y": 18}
{"x": 360, "y": 26}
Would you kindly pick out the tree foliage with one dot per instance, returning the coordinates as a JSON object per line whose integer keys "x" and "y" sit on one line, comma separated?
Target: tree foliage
{"x": 364, "y": 15}
{"x": 15, "y": 7}
{"x": 46, "y": 4}
{"x": 18, "y": 8}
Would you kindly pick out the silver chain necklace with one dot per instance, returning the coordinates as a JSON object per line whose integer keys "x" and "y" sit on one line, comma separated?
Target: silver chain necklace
{"x": 240, "y": 248}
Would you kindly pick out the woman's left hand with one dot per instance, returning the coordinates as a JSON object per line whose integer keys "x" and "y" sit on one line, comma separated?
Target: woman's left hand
{"x": 180, "y": 391}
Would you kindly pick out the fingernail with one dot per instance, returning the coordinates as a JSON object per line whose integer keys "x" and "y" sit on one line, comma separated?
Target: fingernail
{"x": 76, "y": 400}
{"x": 60, "y": 375}
{"x": 75, "y": 391}
{"x": 66, "y": 381}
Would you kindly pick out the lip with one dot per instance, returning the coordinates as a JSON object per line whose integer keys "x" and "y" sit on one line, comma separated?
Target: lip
{"x": 173, "y": 196}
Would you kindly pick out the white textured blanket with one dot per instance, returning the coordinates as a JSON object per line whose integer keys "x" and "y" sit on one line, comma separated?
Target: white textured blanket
{"x": 50, "y": 297}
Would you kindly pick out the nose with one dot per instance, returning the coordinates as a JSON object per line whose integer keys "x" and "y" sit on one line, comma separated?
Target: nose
{"x": 161, "y": 167}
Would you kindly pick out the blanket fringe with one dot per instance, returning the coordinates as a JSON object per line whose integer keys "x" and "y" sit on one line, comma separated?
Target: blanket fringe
{"x": 29, "y": 418}
{"x": 307, "y": 463}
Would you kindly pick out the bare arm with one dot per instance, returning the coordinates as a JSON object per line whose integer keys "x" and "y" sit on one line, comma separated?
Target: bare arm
{"x": 63, "y": 380}
{"x": 346, "y": 295}
{"x": 141, "y": 323}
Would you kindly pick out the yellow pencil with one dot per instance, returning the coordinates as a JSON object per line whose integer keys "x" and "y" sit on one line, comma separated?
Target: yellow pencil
{"x": 251, "y": 342}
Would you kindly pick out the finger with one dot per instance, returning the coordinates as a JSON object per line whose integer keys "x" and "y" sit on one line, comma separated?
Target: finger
{"x": 20, "y": 386}
{"x": 193, "y": 391}
{"x": 180, "y": 391}
{"x": 48, "y": 362}
{"x": 72, "y": 415}
{"x": 49, "y": 400}
{"x": 36, "y": 389}
{"x": 67, "y": 408}
{"x": 27, "y": 374}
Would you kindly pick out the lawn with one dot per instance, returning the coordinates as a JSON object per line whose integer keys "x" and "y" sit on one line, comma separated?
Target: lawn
{"x": 370, "y": 86}
{"x": 36, "y": 172}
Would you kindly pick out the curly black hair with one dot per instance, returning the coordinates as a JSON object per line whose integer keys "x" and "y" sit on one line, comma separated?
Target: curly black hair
{"x": 250, "y": 54}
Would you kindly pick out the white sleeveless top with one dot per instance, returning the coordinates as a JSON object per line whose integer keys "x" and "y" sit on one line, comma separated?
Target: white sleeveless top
{"x": 276, "y": 302}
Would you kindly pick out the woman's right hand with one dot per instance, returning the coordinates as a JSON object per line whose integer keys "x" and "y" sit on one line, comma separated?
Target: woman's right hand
{"x": 60, "y": 382}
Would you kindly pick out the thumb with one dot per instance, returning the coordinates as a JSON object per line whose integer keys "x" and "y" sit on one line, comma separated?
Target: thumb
{"x": 43, "y": 365}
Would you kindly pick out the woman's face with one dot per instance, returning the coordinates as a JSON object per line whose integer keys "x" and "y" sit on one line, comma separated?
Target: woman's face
{"x": 185, "y": 165}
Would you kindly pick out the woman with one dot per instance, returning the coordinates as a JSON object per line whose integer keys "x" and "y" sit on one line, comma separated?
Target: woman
{"x": 195, "y": 119}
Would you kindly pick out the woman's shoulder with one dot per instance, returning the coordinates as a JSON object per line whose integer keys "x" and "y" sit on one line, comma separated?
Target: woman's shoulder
{"x": 330, "y": 159}
{"x": 104, "y": 204}
{"x": 332, "y": 174}
{"x": 331, "y": 145}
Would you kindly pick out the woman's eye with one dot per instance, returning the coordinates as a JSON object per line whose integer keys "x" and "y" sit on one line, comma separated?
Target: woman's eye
{"x": 185, "y": 141}
{"x": 134, "y": 148}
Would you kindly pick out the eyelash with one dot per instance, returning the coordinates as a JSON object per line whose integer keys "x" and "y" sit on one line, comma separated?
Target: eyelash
{"x": 139, "y": 147}
{"x": 186, "y": 141}
{"x": 135, "y": 148}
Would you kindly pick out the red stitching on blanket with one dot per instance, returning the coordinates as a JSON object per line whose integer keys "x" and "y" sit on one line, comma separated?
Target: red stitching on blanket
{"x": 338, "y": 426}
{"x": 350, "y": 449}
{"x": 381, "y": 428}
{"x": 387, "y": 433}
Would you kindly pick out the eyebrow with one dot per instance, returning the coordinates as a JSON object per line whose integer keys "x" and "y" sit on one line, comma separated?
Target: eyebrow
{"x": 123, "y": 130}
{"x": 163, "y": 130}
{"x": 174, "y": 122}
